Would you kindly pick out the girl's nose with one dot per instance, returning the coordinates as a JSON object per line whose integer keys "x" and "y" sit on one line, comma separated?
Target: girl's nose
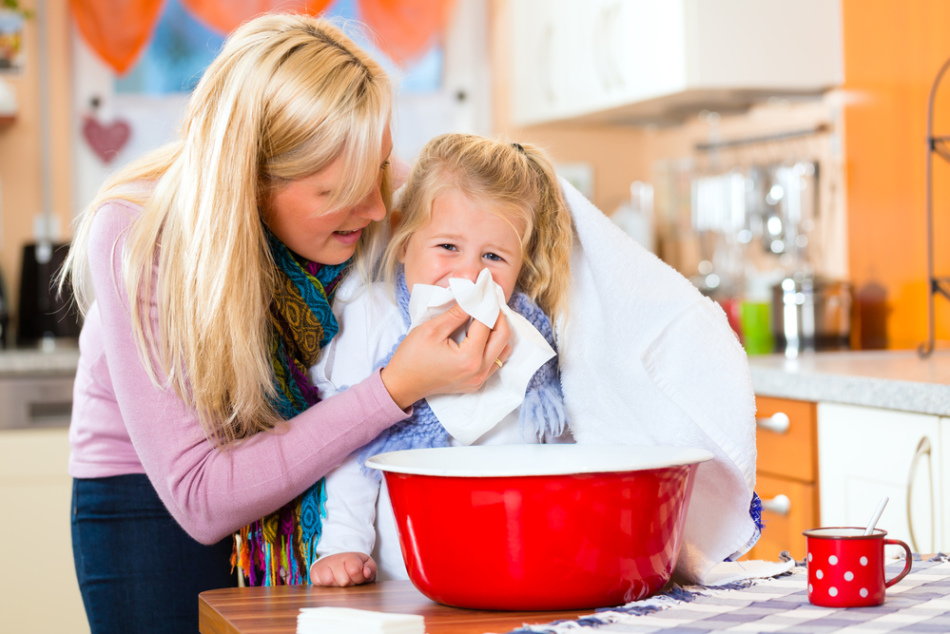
{"x": 469, "y": 269}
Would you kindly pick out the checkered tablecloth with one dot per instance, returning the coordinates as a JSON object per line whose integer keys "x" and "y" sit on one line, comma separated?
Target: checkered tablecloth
{"x": 919, "y": 603}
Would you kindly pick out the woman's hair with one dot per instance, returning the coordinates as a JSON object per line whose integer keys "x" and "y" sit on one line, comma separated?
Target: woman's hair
{"x": 287, "y": 95}
{"x": 518, "y": 181}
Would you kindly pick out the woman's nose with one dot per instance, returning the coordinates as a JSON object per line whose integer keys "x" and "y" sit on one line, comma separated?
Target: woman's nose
{"x": 372, "y": 206}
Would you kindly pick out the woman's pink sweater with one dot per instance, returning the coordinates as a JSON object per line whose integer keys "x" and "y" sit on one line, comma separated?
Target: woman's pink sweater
{"x": 122, "y": 423}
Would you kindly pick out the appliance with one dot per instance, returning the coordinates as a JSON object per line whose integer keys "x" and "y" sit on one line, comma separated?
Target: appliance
{"x": 4, "y": 314}
{"x": 44, "y": 318}
{"x": 811, "y": 313}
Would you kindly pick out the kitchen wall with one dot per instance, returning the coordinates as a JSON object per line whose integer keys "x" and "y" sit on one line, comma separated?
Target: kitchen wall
{"x": 873, "y": 150}
{"x": 892, "y": 54}
{"x": 21, "y": 173}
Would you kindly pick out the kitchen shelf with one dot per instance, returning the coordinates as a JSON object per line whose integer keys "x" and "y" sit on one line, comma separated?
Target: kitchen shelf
{"x": 937, "y": 285}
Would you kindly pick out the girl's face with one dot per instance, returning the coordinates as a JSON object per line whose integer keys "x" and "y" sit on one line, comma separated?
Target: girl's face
{"x": 297, "y": 213}
{"x": 463, "y": 237}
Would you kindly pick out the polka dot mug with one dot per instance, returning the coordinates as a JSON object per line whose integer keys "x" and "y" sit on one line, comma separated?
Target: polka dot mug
{"x": 846, "y": 567}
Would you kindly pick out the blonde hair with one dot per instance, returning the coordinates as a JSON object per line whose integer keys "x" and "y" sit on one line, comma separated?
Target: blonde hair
{"x": 287, "y": 95}
{"x": 518, "y": 181}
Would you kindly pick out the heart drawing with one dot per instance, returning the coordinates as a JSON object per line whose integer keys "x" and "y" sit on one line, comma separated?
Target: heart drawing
{"x": 106, "y": 139}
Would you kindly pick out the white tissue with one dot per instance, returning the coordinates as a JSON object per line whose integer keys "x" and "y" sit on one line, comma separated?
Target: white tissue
{"x": 468, "y": 416}
{"x": 332, "y": 620}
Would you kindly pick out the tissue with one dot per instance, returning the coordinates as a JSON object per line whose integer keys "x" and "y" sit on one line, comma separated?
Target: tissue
{"x": 468, "y": 416}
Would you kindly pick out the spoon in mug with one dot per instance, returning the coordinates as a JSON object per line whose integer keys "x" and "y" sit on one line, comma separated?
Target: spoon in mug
{"x": 876, "y": 516}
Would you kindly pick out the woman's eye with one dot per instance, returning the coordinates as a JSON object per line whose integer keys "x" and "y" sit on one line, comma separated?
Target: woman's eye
{"x": 384, "y": 165}
{"x": 448, "y": 247}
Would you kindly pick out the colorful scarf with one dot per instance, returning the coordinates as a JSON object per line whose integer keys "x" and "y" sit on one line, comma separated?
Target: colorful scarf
{"x": 278, "y": 549}
{"x": 542, "y": 412}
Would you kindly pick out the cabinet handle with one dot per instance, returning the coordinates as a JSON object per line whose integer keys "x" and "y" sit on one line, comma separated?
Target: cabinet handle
{"x": 923, "y": 449}
{"x": 545, "y": 66}
{"x": 780, "y": 505}
{"x": 600, "y": 49}
{"x": 777, "y": 423}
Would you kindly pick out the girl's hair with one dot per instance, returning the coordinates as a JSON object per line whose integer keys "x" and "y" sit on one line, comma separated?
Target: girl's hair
{"x": 516, "y": 180}
{"x": 287, "y": 95}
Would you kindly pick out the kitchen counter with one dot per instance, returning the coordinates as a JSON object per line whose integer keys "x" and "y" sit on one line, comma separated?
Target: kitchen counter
{"x": 62, "y": 361}
{"x": 891, "y": 379}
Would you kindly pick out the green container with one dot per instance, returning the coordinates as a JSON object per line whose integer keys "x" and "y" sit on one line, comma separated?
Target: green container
{"x": 756, "y": 323}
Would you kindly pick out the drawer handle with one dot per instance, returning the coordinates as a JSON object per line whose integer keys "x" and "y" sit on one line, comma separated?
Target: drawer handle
{"x": 777, "y": 423}
{"x": 780, "y": 505}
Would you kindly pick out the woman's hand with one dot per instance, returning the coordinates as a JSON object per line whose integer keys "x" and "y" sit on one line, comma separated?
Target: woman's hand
{"x": 428, "y": 361}
{"x": 343, "y": 569}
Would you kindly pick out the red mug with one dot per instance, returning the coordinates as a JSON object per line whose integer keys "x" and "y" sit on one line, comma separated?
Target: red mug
{"x": 846, "y": 567}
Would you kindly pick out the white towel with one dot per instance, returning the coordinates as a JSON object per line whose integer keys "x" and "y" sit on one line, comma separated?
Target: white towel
{"x": 646, "y": 359}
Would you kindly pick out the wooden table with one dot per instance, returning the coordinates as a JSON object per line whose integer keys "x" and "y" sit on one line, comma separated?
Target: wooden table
{"x": 274, "y": 610}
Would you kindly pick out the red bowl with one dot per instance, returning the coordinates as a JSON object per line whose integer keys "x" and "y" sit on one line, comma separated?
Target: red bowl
{"x": 540, "y": 527}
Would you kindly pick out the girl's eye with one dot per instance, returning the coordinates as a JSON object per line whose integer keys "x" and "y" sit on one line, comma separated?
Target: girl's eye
{"x": 448, "y": 247}
{"x": 493, "y": 257}
{"x": 384, "y": 165}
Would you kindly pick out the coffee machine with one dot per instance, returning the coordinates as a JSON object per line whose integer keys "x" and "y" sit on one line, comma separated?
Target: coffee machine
{"x": 45, "y": 318}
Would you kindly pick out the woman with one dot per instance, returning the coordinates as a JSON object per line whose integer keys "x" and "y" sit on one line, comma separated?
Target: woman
{"x": 212, "y": 262}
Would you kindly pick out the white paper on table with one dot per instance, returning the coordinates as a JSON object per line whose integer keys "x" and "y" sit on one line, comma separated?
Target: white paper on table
{"x": 468, "y": 416}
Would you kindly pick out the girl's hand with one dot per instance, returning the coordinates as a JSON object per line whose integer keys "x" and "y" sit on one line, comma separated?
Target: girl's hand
{"x": 343, "y": 569}
{"x": 428, "y": 361}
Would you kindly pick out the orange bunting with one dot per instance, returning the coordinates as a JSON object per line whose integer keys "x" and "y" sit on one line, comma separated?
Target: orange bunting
{"x": 118, "y": 30}
{"x": 406, "y": 28}
{"x": 226, "y": 15}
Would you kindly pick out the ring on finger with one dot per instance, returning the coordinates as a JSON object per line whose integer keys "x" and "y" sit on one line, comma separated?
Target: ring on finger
{"x": 499, "y": 363}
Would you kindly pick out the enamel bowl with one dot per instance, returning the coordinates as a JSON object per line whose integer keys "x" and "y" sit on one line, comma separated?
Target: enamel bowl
{"x": 540, "y": 527}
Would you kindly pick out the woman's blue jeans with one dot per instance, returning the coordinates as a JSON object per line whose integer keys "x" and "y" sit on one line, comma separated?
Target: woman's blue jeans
{"x": 138, "y": 570}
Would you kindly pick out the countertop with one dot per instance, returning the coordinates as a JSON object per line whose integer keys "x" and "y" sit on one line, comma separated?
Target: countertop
{"x": 22, "y": 362}
{"x": 889, "y": 379}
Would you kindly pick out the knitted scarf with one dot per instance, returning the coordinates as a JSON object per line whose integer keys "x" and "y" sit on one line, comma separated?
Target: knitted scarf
{"x": 278, "y": 549}
{"x": 542, "y": 411}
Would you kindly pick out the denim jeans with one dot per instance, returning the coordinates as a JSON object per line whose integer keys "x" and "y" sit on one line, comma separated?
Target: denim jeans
{"x": 138, "y": 570}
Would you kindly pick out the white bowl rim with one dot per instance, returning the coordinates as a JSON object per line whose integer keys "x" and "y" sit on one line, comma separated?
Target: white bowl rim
{"x": 485, "y": 461}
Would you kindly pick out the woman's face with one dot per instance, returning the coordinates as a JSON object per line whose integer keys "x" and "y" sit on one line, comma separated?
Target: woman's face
{"x": 463, "y": 237}
{"x": 296, "y": 213}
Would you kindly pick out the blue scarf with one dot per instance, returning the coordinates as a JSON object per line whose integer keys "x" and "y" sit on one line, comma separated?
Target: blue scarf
{"x": 542, "y": 411}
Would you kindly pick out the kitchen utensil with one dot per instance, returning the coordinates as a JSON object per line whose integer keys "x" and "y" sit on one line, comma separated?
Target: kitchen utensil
{"x": 811, "y": 313}
{"x": 846, "y": 567}
{"x": 876, "y": 516}
{"x": 537, "y": 527}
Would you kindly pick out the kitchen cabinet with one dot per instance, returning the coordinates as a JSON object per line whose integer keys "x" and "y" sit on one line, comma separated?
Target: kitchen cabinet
{"x": 786, "y": 475}
{"x": 643, "y": 60}
{"x": 38, "y": 587}
{"x": 867, "y": 453}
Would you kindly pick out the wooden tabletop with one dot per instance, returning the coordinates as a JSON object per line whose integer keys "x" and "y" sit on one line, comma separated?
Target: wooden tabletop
{"x": 274, "y": 610}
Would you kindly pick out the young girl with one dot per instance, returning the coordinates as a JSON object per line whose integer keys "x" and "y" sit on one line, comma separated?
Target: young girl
{"x": 470, "y": 204}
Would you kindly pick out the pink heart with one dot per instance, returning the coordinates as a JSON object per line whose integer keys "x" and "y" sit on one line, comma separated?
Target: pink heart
{"x": 106, "y": 140}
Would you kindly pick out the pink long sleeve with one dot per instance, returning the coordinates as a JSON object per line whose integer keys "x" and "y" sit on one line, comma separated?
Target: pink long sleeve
{"x": 122, "y": 423}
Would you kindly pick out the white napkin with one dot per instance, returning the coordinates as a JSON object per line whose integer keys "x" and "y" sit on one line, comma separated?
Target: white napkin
{"x": 468, "y": 416}
{"x": 333, "y": 620}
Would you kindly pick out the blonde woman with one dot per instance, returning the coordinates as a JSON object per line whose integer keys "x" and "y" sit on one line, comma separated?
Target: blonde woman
{"x": 471, "y": 204}
{"x": 212, "y": 263}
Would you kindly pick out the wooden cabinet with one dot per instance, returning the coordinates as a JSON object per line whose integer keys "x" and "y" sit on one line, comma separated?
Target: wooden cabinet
{"x": 632, "y": 60}
{"x": 786, "y": 475}
{"x": 38, "y": 588}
